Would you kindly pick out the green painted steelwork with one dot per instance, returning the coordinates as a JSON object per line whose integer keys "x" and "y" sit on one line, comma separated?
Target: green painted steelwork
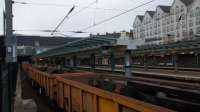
{"x": 112, "y": 60}
{"x": 80, "y": 45}
{"x": 173, "y": 47}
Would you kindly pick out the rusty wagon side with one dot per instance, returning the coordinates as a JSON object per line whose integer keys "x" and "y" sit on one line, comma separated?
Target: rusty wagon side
{"x": 76, "y": 96}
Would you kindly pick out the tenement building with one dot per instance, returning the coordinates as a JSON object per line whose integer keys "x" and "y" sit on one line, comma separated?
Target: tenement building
{"x": 168, "y": 24}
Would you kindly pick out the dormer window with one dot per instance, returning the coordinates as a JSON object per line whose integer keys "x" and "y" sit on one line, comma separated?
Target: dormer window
{"x": 172, "y": 11}
{"x": 191, "y": 13}
{"x": 197, "y": 11}
{"x": 177, "y": 9}
{"x": 182, "y": 8}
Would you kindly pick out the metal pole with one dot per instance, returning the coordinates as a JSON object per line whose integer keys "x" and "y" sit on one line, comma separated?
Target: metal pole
{"x": 145, "y": 62}
{"x": 92, "y": 62}
{"x": 10, "y": 40}
{"x": 127, "y": 64}
{"x": 75, "y": 61}
{"x": 71, "y": 62}
{"x": 4, "y": 23}
{"x": 112, "y": 61}
{"x": 9, "y": 78}
{"x": 197, "y": 59}
{"x": 175, "y": 59}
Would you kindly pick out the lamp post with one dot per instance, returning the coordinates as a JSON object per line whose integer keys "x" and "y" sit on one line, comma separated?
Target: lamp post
{"x": 10, "y": 66}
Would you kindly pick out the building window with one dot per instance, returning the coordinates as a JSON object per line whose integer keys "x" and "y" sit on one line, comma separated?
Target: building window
{"x": 198, "y": 20}
{"x": 172, "y": 19}
{"x": 172, "y": 11}
{"x": 177, "y": 18}
{"x": 191, "y": 23}
{"x": 183, "y": 24}
{"x": 198, "y": 30}
{"x": 159, "y": 24}
{"x": 155, "y": 25}
{"x": 177, "y": 9}
{"x": 164, "y": 29}
{"x": 191, "y": 32}
{"x": 172, "y": 28}
{"x": 178, "y": 35}
{"x": 197, "y": 11}
{"x": 182, "y": 8}
{"x": 178, "y": 26}
{"x": 168, "y": 28}
{"x": 184, "y": 33}
{"x": 183, "y": 16}
{"x": 159, "y": 31}
{"x": 191, "y": 13}
{"x": 168, "y": 21}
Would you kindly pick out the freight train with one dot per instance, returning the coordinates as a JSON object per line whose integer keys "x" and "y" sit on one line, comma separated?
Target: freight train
{"x": 81, "y": 91}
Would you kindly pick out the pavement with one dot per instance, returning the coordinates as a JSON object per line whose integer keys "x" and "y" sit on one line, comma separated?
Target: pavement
{"x": 23, "y": 105}
{"x": 27, "y": 99}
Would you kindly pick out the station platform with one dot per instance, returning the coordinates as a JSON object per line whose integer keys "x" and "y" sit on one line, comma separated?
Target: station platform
{"x": 183, "y": 75}
{"x": 172, "y": 74}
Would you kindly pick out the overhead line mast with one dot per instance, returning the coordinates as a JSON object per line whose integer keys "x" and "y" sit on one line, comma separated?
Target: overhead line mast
{"x": 71, "y": 16}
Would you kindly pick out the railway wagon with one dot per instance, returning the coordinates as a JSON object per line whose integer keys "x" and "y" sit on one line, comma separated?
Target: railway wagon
{"x": 72, "y": 92}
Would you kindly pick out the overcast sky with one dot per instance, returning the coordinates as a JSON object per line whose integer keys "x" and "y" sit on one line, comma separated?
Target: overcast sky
{"x": 45, "y": 17}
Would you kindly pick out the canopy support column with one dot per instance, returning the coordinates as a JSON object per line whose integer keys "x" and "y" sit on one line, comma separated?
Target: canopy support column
{"x": 128, "y": 64}
{"x": 112, "y": 61}
{"x": 175, "y": 61}
{"x": 92, "y": 61}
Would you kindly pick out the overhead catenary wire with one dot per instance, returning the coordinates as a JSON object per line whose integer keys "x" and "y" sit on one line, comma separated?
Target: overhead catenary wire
{"x": 49, "y": 31}
{"x": 113, "y": 17}
{"x": 84, "y": 8}
{"x": 94, "y": 21}
{"x": 60, "y": 23}
{"x": 71, "y": 16}
{"x": 67, "y": 5}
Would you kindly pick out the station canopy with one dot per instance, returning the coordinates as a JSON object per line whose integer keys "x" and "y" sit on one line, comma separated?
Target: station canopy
{"x": 187, "y": 45}
{"x": 80, "y": 45}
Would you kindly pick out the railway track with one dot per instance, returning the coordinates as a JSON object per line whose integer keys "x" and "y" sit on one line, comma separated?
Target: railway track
{"x": 149, "y": 74}
{"x": 179, "y": 93}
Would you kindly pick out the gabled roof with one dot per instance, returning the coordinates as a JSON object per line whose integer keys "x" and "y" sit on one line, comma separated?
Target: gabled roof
{"x": 165, "y": 8}
{"x": 141, "y": 17}
{"x": 187, "y": 2}
{"x": 151, "y": 13}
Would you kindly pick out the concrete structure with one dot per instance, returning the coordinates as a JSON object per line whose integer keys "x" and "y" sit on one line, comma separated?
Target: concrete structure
{"x": 169, "y": 23}
{"x": 92, "y": 52}
{"x": 126, "y": 35}
{"x": 30, "y": 45}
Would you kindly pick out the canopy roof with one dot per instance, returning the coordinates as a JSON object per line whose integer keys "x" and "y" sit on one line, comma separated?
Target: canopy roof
{"x": 79, "y": 45}
{"x": 173, "y": 47}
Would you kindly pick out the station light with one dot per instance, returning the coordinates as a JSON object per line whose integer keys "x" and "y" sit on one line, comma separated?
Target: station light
{"x": 191, "y": 52}
{"x": 182, "y": 52}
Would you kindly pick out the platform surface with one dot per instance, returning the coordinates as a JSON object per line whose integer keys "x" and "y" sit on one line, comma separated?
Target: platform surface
{"x": 27, "y": 99}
